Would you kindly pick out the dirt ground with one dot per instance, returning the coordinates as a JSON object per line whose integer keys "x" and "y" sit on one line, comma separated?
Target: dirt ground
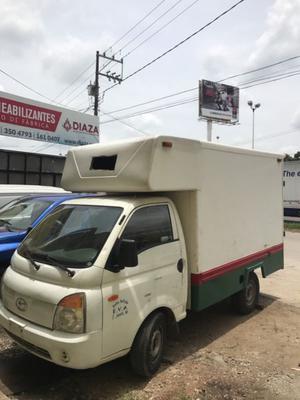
{"x": 218, "y": 355}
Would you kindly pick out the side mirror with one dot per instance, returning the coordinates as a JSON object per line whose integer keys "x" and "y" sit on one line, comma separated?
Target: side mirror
{"x": 127, "y": 254}
{"x": 124, "y": 254}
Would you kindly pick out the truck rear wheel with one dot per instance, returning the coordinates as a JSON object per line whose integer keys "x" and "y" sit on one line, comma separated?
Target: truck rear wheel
{"x": 245, "y": 301}
{"x": 147, "y": 350}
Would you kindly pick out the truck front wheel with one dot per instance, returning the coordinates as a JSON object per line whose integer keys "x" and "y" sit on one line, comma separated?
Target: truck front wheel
{"x": 245, "y": 301}
{"x": 147, "y": 350}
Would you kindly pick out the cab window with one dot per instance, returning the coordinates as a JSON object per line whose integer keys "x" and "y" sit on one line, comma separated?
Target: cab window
{"x": 149, "y": 227}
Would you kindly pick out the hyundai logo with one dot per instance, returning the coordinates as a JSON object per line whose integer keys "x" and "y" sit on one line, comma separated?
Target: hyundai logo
{"x": 21, "y": 304}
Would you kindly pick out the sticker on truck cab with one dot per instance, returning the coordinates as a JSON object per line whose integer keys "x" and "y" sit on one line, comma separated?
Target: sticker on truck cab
{"x": 120, "y": 308}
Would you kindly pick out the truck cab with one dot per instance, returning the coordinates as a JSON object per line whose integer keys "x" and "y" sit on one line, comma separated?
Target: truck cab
{"x": 89, "y": 275}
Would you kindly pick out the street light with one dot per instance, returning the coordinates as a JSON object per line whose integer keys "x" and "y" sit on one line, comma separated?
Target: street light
{"x": 253, "y": 108}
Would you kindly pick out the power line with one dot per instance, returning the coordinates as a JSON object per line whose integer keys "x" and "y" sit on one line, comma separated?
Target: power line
{"x": 153, "y": 100}
{"x": 267, "y": 137}
{"x": 75, "y": 80}
{"x": 178, "y": 44}
{"x": 272, "y": 80}
{"x": 139, "y": 34}
{"x": 151, "y": 110}
{"x": 25, "y": 86}
{"x": 125, "y": 123}
{"x": 150, "y": 26}
{"x": 262, "y": 68}
{"x": 191, "y": 100}
{"x": 197, "y": 88}
{"x": 153, "y": 34}
{"x": 76, "y": 96}
{"x": 185, "y": 40}
{"x": 117, "y": 41}
{"x": 138, "y": 23}
{"x": 161, "y": 28}
{"x": 76, "y": 88}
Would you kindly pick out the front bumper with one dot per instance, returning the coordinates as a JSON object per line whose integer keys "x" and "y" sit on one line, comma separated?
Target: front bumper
{"x": 65, "y": 349}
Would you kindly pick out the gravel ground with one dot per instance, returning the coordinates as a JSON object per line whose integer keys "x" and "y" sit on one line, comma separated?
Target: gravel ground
{"x": 218, "y": 355}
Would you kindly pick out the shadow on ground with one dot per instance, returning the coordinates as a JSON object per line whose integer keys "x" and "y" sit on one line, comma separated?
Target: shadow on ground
{"x": 32, "y": 378}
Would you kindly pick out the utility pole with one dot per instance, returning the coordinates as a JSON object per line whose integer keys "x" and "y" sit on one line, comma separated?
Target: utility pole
{"x": 93, "y": 89}
{"x": 96, "y": 101}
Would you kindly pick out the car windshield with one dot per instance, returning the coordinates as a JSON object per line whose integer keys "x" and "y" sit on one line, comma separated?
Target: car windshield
{"x": 72, "y": 235}
{"x": 6, "y": 199}
{"x": 20, "y": 215}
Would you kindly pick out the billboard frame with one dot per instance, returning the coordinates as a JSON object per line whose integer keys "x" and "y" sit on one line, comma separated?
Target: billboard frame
{"x": 219, "y": 115}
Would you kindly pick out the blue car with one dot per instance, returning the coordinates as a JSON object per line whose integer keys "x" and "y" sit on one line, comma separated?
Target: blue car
{"x": 22, "y": 214}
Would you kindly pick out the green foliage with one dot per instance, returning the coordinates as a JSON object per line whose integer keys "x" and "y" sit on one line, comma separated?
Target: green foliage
{"x": 291, "y": 158}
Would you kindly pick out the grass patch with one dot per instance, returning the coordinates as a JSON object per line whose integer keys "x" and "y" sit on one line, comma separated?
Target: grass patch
{"x": 292, "y": 226}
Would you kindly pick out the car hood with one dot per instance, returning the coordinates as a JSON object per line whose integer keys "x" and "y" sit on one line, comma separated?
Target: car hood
{"x": 8, "y": 237}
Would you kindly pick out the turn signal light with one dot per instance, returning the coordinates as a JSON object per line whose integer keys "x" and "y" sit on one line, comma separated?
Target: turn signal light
{"x": 70, "y": 314}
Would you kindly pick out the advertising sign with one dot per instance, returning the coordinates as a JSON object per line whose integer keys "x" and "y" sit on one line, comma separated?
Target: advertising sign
{"x": 30, "y": 119}
{"x": 218, "y": 101}
{"x": 291, "y": 181}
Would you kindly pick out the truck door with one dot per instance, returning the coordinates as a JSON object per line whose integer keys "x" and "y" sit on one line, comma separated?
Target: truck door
{"x": 159, "y": 279}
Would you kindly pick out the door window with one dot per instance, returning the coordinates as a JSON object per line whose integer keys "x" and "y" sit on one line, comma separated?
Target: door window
{"x": 149, "y": 227}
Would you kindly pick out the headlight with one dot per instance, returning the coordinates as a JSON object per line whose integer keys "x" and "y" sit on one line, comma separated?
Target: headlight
{"x": 70, "y": 314}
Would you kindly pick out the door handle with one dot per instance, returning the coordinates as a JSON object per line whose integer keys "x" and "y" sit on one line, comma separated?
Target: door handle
{"x": 180, "y": 265}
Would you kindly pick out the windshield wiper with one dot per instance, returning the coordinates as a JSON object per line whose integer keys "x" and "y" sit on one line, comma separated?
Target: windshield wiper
{"x": 57, "y": 264}
{"x": 6, "y": 223}
{"x": 29, "y": 256}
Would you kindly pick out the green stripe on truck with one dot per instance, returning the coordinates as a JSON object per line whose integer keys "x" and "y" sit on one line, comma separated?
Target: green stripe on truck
{"x": 217, "y": 284}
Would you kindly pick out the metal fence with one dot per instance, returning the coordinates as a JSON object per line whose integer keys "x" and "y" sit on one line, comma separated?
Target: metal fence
{"x": 18, "y": 167}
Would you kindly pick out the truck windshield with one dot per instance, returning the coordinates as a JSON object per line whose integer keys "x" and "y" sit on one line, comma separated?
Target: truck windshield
{"x": 73, "y": 235}
{"x": 21, "y": 214}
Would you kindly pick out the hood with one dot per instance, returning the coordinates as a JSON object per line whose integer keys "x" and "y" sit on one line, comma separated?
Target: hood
{"x": 8, "y": 237}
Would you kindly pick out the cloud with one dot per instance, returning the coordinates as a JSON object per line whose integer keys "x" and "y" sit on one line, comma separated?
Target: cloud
{"x": 219, "y": 59}
{"x": 67, "y": 58}
{"x": 281, "y": 39}
{"x": 21, "y": 28}
{"x": 148, "y": 122}
{"x": 144, "y": 125}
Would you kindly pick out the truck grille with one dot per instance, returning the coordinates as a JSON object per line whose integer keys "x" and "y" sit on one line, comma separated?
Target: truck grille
{"x": 29, "y": 346}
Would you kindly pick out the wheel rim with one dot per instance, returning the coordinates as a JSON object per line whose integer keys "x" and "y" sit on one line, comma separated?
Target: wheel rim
{"x": 156, "y": 344}
{"x": 250, "y": 293}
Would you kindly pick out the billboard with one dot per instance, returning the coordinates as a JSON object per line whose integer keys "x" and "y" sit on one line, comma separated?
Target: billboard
{"x": 29, "y": 119}
{"x": 218, "y": 101}
{"x": 291, "y": 181}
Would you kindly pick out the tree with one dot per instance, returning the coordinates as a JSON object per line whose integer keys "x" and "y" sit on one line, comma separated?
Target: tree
{"x": 291, "y": 158}
{"x": 288, "y": 158}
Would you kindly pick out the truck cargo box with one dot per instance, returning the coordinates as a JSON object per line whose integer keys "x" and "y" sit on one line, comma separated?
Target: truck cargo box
{"x": 229, "y": 199}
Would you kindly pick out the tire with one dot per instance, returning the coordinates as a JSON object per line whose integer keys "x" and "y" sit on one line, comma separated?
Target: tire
{"x": 147, "y": 350}
{"x": 246, "y": 300}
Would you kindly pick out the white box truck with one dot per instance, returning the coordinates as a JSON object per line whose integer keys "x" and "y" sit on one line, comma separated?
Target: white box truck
{"x": 184, "y": 224}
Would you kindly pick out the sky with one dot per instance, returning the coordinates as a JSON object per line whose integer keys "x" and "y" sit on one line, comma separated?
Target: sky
{"x": 47, "y": 44}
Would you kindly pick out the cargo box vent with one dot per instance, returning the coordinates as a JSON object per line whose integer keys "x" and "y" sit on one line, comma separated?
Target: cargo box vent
{"x": 104, "y": 162}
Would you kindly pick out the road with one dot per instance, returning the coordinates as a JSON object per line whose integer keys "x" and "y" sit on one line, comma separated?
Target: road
{"x": 218, "y": 355}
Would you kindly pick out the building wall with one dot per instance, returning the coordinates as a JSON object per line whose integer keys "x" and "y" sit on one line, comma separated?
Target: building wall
{"x": 18, "y": 167}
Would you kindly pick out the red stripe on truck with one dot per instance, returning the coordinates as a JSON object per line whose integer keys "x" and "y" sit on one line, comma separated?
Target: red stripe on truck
{"x": 197, "y": 279}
